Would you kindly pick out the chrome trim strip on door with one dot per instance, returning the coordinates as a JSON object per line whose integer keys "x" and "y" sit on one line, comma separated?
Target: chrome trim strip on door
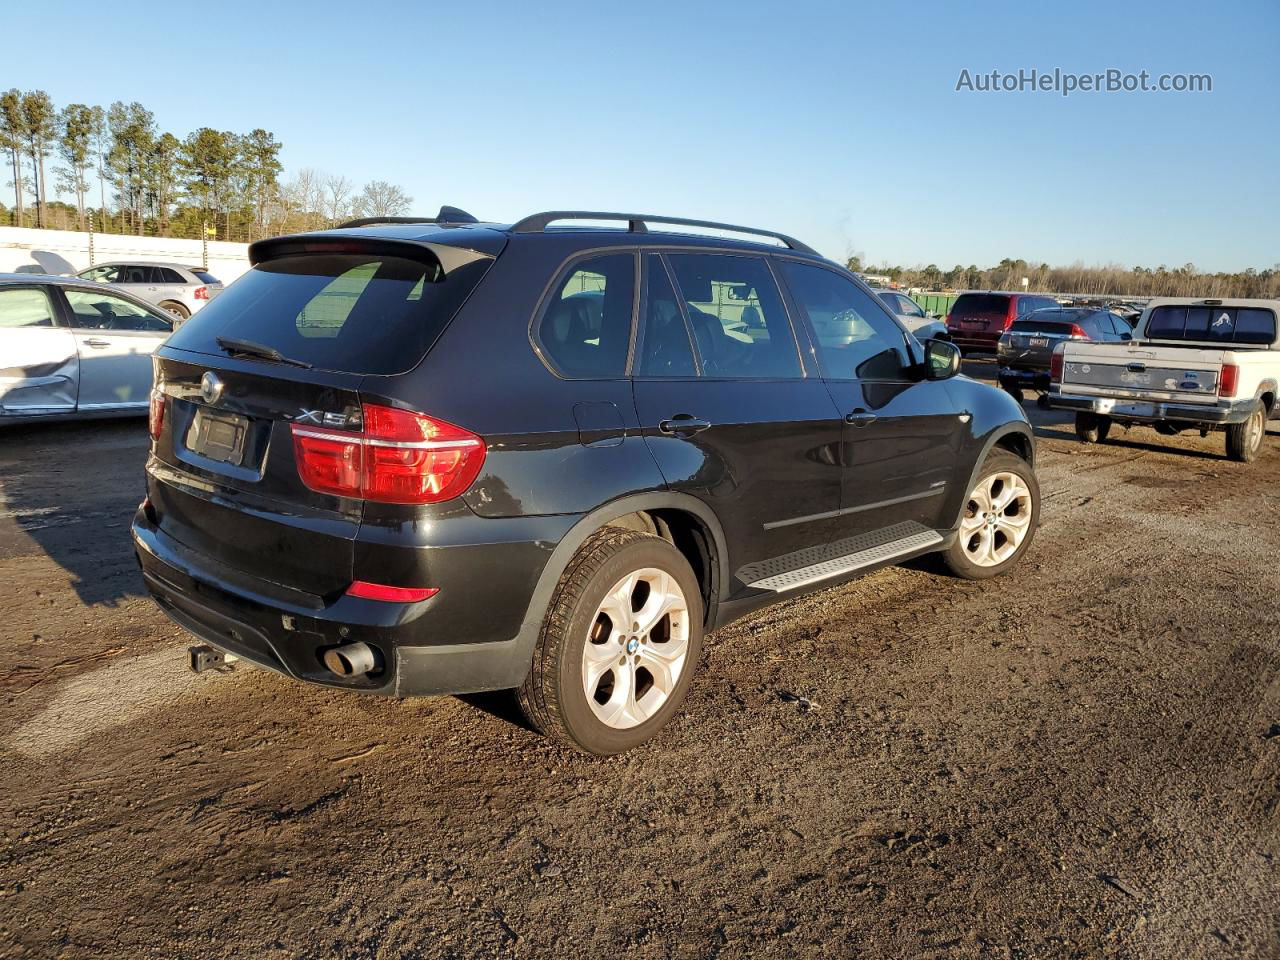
{"x": 774, "y": 524}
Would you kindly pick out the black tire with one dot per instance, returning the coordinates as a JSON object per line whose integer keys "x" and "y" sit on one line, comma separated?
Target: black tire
{"x": 1244, "y": 440}
{"x": 1042, "y": 401}
{"x": 1012, "y": 390}
{"x": 177, "y": 309}
{"x": 552, "y": 697}
{"x": 957, "y": 559}
{"x": 1092, "y": 427}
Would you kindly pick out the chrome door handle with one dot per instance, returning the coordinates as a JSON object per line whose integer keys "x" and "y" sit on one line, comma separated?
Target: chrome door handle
{"x": 860, "y": 418}
{"x": 95, "y": 342}
{"x": 683, "y": 425}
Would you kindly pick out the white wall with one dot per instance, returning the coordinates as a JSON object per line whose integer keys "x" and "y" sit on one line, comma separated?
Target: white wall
{"x": 226, "y": 260}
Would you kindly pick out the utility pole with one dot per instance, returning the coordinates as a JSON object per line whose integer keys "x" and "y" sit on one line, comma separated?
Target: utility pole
{"x": 91, "y": 238}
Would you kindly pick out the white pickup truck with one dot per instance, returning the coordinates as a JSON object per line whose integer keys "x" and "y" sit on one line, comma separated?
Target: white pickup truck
{"x": 1191, "y": 365}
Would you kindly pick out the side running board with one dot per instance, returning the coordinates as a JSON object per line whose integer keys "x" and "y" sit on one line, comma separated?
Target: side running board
{"x": 805, "y": 567}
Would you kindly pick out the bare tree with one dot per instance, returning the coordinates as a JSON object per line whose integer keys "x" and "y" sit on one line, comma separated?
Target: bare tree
{"x": 337, "y": 198}
{"x": 382, "y": 199}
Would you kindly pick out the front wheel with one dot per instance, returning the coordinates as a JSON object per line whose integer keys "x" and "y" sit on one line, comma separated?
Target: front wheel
{"x": 619, "y": 644}
{"x": 1244, "y": 440}
{"x": 999, "y": 519}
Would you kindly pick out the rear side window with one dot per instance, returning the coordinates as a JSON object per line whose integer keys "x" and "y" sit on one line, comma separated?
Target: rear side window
{"x": 170, "y": 276}
{"x": 1249, "y": 325}
{"x": 351, "y": 312}
{"x": 585, "y": 330}
{"x": 740, "y": 327}
{"x": 980, "y": 305}
{"x": 665, "y": 347}
{"x": 25, "y": 307}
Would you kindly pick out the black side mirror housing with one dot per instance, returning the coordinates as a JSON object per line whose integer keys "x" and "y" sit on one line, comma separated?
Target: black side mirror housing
{"x": 941, "y": 360}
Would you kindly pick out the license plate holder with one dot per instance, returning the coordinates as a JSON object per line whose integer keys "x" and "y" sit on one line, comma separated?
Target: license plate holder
{"x": 218, "y": 436}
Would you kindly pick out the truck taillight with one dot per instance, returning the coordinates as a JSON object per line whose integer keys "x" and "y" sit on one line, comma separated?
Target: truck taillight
{"x": 155, "y": 413}
{"x": 200, "y": 293}
{"x": 1055, "y": 366}
{"x": 1228, "y": 380}
{"x": 399, "y": 457}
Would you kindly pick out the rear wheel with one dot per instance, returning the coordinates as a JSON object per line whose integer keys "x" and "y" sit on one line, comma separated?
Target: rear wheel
{"x": 618, "y": 646}
{"x": 177, "y": 309}
{"x": 999, "y": 519}
{"x": 1244, "y": 440}
{"x": 1092, "y": 428}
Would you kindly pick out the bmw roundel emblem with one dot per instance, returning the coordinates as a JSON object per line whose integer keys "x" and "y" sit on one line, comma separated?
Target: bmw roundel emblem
{"x": 211, "y": 387}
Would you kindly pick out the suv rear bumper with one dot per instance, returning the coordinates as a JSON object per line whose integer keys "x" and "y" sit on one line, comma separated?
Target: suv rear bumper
{"x": 975, "y": 339}
{"x": 412, "y": 640}
{"x": 1149, "y": 411}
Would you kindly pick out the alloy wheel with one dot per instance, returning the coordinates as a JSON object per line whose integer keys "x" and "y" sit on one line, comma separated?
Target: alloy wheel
{"x": 996, "y": 520}
{"x": 636, "y": 649}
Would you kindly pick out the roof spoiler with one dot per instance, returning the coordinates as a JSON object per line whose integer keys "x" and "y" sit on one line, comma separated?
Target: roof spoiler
{"x": 448, "y": 257}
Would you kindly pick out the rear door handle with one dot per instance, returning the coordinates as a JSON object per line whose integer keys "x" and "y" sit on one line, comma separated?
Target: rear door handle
{"x": 95, "y": 342}
{"x": 683, "y": 425}
{"x": 860, "y": 418}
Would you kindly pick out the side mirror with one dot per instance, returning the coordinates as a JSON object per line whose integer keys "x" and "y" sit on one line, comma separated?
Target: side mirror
{"x": 941, "y": 360}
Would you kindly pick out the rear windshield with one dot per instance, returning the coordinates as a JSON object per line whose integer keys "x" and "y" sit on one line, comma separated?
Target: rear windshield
{"x": 980, "y": 304}
{"x": 1251, "y": 325}
{"x": 206, "y": 277}
{"x": 357, "y": 313}
{"x": 1043, "y": 326}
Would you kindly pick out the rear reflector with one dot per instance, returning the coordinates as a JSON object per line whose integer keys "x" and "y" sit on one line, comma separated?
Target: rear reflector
{"x": 1228, "y": 380}
{"x": 1055, "y": 366}
{"x": 155, "y": 414}
{"x": 378, "y": 591}
{"x": 399, "y": 457}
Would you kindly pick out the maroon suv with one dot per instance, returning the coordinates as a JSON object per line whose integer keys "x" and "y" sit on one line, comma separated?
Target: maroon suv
{"x": 977, "y": 320}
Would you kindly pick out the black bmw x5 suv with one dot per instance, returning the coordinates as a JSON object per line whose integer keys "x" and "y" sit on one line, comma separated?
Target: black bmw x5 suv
{"x": 443, "y": 456}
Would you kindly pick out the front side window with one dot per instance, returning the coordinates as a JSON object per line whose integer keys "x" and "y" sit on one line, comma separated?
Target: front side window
{"x": 740, "y": 327}
{"x": 910, "y": 308}
{"x": 585, "y": 330}
{"x": 665, "y": 348}
{"x": 101, "y": 311}
{"x": 25, "y": 307}
{"x": 856, "y": 339}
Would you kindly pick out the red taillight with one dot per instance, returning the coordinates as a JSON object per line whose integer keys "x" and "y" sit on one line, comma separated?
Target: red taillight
{"x": 155, "y": 414}
{"x": 1055, "y": 367}
{"x": 399, "y": 457}
{"x": 201, "y": 293}
{"x": 1077, "y": 332}
{"x": 1228, "y": 380}
{"x": 378, "y": 591}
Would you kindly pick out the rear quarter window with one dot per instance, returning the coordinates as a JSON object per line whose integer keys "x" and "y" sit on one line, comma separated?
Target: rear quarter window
{"x": 355, "y": 313}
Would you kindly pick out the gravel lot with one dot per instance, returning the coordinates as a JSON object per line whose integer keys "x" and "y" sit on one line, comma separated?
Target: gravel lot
{"x": 1081, "y": 759}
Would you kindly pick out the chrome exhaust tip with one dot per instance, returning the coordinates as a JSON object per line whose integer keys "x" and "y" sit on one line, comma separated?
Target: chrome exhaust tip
{"x": 350, "y": 660}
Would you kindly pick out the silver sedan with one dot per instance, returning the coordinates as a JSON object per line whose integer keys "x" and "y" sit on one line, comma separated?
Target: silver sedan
{"x": 70, "y": 348}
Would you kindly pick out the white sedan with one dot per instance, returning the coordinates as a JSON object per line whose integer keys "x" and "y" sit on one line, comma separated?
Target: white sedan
{"x": 70, "y": 348}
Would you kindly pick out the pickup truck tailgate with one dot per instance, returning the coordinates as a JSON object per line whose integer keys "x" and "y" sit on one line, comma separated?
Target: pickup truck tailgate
{"x": 1154, "y": 373}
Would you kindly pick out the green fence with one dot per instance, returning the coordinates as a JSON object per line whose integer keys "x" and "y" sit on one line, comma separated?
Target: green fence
{"x": 936, "y": 303}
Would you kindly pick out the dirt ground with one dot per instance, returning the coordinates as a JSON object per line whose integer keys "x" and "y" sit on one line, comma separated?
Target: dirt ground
{"x": 1079, "y": 760}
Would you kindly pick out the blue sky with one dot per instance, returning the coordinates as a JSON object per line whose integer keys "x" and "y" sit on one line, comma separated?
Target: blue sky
{"x": 836, "y": 122}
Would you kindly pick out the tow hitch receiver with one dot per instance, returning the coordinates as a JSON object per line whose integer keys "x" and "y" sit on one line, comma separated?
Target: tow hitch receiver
{"x": 205, "y": 657}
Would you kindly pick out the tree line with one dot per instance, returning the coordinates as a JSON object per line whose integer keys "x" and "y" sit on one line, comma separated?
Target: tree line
{"x": 1162, "y": 281}
{"x": 121, "y": 173}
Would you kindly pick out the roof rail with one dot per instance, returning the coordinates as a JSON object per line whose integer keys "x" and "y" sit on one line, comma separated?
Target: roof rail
{"x": 637, "y": 223}
{"x": 447, "y": 214}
